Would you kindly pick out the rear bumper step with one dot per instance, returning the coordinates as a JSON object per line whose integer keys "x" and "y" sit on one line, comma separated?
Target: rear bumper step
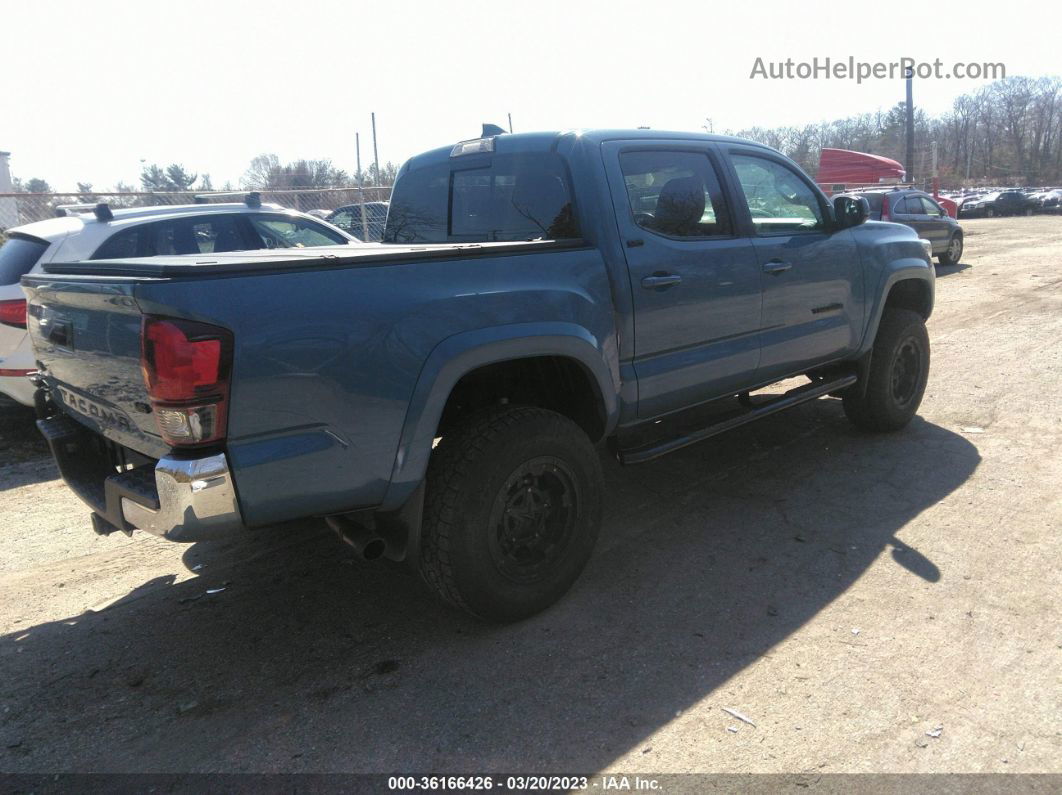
{"x": 181, "y": 499}
{"x": 793, "y": 397}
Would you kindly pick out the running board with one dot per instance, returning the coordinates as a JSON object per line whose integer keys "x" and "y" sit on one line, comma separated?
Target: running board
{"x": 793, "y": 397}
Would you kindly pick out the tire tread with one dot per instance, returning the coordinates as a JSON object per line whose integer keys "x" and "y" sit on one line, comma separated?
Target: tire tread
{"x": 450, "y": 467}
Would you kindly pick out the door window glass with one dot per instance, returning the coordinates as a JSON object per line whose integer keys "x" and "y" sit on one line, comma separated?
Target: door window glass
{"x": 675, "y": 193}
{"x": 930, "y": 207}
{"x": 278, "y": 232}
{"x": 779, "y": 201}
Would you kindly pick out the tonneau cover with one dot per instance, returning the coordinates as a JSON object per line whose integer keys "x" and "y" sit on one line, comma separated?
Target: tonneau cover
{"x": 295, "y": 258}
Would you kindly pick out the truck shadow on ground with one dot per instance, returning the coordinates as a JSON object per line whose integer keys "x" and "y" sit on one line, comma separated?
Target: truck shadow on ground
{"x": 949, "y": 270}
{"x": 309, "y": 660}
{"x": 24, "y": 456}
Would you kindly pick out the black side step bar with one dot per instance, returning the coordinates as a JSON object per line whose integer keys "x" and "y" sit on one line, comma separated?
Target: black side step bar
{"x": 793, "y": 397}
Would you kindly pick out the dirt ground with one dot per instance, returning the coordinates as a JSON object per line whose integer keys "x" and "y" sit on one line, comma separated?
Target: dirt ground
{"x": 847, "y": 593}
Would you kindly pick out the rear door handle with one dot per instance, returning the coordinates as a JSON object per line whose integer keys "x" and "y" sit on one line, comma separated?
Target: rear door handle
{"x": 776, "y": 266}
{"x": 658, "y": 280}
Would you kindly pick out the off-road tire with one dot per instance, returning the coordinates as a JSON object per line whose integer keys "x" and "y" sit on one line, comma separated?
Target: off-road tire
{"x": 471, "y": 478}
{"x": 899, "y": 370}
{"x": 952, "y": 255}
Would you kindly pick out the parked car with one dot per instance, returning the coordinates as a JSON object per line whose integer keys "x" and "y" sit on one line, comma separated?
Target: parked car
{"x": 1048, "y": 200}
{"x": 439, "y": 397}
{"x": 921, "y": 212}
{"x": 348, "y": 218}
{"x": 86, "y": 232}
{"x": 1007, "y": 202}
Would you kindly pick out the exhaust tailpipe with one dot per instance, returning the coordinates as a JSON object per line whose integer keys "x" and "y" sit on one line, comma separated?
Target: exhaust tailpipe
{"x": 356, "y": 535}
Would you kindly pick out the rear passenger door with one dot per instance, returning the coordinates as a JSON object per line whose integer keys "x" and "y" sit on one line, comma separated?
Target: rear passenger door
{"x": 912, "y": 211}
{"x": 812, "y": 279}
{"x": 694, "y": 279}
{"x": 907, "y": 210}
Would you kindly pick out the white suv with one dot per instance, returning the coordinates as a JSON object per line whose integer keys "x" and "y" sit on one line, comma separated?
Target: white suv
{"x": 103, "y": 233}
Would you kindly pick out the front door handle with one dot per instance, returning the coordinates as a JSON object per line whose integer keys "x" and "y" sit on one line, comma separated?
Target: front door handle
{"x": 776, "y": 266}
{"x": 658, "y": 280}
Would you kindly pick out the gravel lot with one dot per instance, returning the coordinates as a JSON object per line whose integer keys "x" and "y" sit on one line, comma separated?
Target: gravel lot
{"x": 847, "y": 593}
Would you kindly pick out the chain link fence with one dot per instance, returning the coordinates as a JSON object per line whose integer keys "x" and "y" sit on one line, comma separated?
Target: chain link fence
{"x": 17, "y": 209}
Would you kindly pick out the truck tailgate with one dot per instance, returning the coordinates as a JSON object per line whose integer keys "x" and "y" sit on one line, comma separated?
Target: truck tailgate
{"x": 86, "y": 337}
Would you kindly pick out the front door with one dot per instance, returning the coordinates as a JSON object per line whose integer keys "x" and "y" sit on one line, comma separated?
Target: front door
{"x": 935, "y": 223}
{"x": 812, "y": 277}
{"x": 695, "y": 282}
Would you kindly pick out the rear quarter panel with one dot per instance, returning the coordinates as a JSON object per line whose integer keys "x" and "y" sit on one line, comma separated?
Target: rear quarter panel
{"x": 327, "y": 361}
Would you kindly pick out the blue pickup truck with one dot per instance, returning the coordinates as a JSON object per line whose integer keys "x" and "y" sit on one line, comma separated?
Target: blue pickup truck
{"x": 440, "y": 399}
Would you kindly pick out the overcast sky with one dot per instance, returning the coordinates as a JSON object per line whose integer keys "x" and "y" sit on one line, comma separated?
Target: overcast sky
{"x": 91, "y": 88}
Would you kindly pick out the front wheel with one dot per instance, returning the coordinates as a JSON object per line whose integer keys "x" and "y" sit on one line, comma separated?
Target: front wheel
{"x": 899, "y": 371}
{"x": 512, "y": 514}
{"x": 989, "y": 213}
{"x": 953, "y": 252}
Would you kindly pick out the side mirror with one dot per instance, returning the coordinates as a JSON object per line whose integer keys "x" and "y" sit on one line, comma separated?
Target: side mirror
{"x": 850, "y": 211}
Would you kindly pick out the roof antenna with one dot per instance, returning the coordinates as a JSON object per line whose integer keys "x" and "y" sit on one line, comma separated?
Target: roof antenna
{"x": 491, "y": 129}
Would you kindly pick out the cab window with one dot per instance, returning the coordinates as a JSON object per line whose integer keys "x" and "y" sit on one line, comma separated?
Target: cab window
{"x": 513, "y": 197}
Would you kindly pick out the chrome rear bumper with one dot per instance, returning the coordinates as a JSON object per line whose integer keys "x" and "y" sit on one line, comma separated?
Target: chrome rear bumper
{"x": 196, "y": 499}
{"x": 181, "y": 499}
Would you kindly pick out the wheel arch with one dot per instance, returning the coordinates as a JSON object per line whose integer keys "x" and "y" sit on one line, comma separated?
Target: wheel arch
{"x": 903, "y": 288}
{"x": 457, "y": 358}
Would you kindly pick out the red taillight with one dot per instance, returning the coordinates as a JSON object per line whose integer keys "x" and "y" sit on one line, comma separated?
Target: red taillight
{"x": 884, "y": 208}
{"x": 13, "y": 313}
{"x": 186, "y": 369}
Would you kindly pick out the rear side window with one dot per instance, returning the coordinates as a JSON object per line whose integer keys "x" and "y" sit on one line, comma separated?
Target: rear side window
{"x": 676, "y": 194}
{"x": 873, "y": 199}
{"x": 18, "y": 256}
{"x": 119, "y": 246}
{"x": 903, "y": 207}
{"x": 508, "y": 198}
{"x": 195, "y": 235}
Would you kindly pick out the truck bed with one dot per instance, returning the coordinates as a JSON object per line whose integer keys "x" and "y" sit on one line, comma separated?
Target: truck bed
{"x": 329, "y": 347}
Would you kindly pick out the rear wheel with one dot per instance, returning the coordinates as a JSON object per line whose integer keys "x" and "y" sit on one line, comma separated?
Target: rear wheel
{"x": 953, "y": 252}
{"x": 899, "y": 370}
{"x": 512, "y": 514}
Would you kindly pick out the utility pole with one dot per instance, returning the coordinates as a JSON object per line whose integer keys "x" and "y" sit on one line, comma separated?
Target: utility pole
{"x": 936, "y": 179}
{"x": 910, "y": 125}
{"x": 361, "y": 191}
{"x": 510, "y": 122}
{"x": 375, "y": 154}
